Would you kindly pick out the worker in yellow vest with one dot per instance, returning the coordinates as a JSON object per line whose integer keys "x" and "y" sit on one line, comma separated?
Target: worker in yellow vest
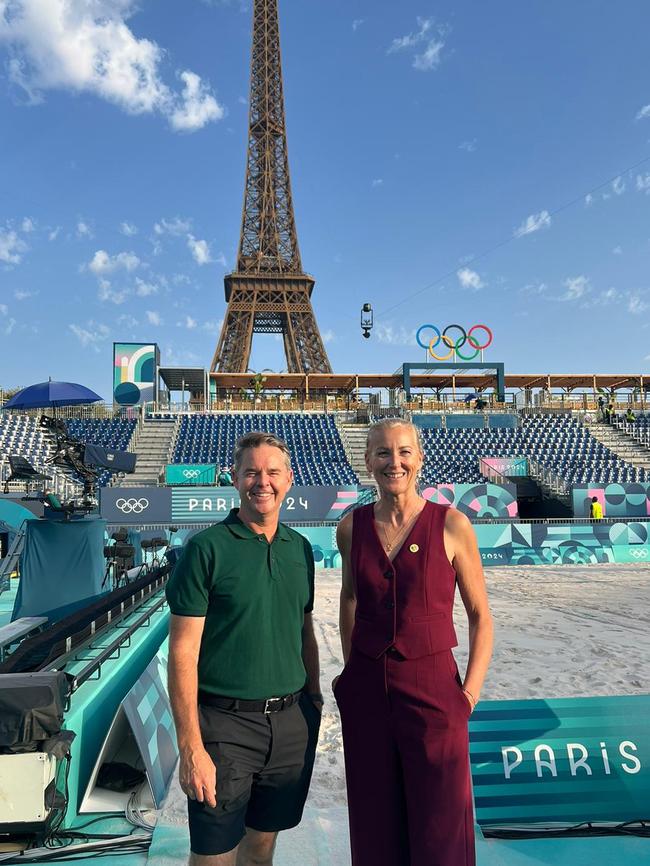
{"x": 596, "y": 509}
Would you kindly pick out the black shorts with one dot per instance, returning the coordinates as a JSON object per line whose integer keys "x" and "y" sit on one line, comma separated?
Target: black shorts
{"x": 264, "y": 764}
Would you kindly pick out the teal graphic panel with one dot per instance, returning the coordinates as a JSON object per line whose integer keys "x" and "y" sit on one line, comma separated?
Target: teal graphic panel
{"x": 134, "y": 373}
{"x": 476, "y": 500}
{"x": 148, "y": 710}
{"x": 557, "y": 544}
{"x": 323, "y": 544}
{"x": 618, "y": 500}
{"x": 565, "y": 760}
{"x": 190, "y": 473}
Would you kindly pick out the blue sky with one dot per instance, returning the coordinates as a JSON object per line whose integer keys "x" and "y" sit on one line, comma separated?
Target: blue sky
{"x": 451, "y": 162}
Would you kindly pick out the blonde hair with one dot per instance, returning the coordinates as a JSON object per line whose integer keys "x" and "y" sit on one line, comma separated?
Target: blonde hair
{"x": 388, "y": 424}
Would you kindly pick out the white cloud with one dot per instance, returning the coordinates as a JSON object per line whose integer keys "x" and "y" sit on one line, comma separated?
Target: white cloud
{"x": 533, "y": 223}
{"x": 103, "y": 263}
{"x": 328, "y": 336}
{"x": 128, "y": 229}
{"x": 28, "y": 225}
{"x": 144, "y": 289}
{"x": 378, "y": 181}
{"x": 199, "y": 106}
{"x": 106, "y": 293}
{"x": 618, "y": 251}
{"x": 83, "y": 230}
{"x": 4, "y": 309}
{"x": 576, "y": 287}
{"x": 395, "y": 336}
{"x": 643, "y": 183}
{"x": 54, "y": 233}
{"x": 154, "y": 318}
{"x": 429, "y": 35}
{"x": 636, "y": 305}
{"x": 618, "y": 186}
{"x": 589, "y": 199}
{"x": 469, "y": 279}
{"x": 643, "y": 112}
{"x": 21, "y": 294}
{"x": 469, "y": 146}
{"x": 177, "y": 226}
{"x": 127, "y": 320}
{"x": 188, "y": 323}
{"x": 91, "y": 335}
{"x": 87, "y": 46}
{"x": 357, "y": 23}
{"x": 212, "y": 327}
{"x": 11, "y": 247}
{"x": 200, "y": 250}
{"x": 11, "y": 324}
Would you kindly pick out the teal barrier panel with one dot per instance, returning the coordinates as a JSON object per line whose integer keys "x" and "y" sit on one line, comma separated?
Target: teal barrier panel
{"x": 476, "y": 500}
{"x": 564, "y": 760}
{"x": 631, "y": 499}
{"x": 191, "y": 473}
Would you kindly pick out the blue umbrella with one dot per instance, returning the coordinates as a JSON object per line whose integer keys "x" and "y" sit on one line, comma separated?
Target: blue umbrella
{"x": 52, "y": 394}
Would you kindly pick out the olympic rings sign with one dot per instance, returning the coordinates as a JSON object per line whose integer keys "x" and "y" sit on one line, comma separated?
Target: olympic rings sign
{"x": 191, "y": 473}
{"x": 456, "y": 345}
{"x": 132, "y": 506}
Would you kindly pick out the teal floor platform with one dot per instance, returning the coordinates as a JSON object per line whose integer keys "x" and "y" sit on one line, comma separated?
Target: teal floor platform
{"x": 604, "y": 851}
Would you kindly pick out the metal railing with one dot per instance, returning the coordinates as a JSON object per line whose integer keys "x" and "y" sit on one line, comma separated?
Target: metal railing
{"x": 551, "y": 479}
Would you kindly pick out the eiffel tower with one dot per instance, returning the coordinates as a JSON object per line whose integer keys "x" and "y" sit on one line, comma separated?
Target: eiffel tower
{"x": 269, "y": 293}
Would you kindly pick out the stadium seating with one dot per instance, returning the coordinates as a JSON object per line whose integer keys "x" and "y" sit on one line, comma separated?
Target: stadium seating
{"x": 314, "y": 442}
{"x": 559, "y": 443}
{"x": 113, "y": 434}
{"x": 22, "y": 436}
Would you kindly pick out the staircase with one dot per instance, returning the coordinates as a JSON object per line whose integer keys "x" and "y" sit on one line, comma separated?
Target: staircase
{"x": 354, "y": 438}
{"x": 153, "y": 448}
{"x": 621, "y": 444}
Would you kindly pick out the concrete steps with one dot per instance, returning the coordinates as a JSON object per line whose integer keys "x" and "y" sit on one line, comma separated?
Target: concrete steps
{"x": 153, "y": 448}
{"x": 621, "y": 444}
{"x": 354, "y": 438}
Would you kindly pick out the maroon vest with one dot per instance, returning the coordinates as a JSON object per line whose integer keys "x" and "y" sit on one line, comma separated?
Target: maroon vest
{"x": 406, "y": 604}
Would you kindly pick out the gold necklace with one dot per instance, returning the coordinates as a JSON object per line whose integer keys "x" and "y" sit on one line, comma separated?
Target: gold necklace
{"x": 398, "y": 535}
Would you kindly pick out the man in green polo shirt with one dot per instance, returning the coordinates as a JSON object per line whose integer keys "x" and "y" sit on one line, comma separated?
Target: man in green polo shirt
{"x": 243, "y": 668}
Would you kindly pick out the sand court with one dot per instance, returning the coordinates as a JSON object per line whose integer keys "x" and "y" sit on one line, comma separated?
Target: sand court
{"x": 560, "y": 631}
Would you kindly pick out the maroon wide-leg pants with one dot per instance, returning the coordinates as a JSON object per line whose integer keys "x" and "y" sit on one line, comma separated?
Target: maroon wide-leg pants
{"x": 407, "y": 761}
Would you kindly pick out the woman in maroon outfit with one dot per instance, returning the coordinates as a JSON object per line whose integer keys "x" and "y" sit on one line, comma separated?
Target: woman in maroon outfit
{"x": 404, "y": 708}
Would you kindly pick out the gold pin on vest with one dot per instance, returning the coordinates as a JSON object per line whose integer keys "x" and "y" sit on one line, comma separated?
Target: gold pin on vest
{"x": 414, "y": 548}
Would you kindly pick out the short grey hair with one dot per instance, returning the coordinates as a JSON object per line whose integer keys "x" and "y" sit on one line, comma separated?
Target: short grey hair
{"x": 254, "y": 440}
{"x": 388, "y": 424}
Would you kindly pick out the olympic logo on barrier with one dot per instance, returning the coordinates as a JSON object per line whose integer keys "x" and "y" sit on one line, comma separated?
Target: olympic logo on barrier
{"x": 132, "y": 506}
{"x": 191, "y": 473}
{"x": 639, "y": 554}
{"x": 456, "y": 345}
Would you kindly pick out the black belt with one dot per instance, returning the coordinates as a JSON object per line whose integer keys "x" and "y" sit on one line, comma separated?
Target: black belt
{"x": 270, "y": 705}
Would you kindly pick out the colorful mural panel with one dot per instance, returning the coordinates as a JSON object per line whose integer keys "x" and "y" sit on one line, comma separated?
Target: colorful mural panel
{"x": 618, "y": 500}
{"x": 134, "y": 373}
{"x": 476, "y": 500}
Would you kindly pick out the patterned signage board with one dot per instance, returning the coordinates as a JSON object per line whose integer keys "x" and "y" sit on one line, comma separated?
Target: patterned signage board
{"x": 565, "y": 760}
{"x": 134, "y": 373}
{"x": 476, "y": 500}
{"x": 618, "y": 500}
{"x": 301, "y": 504}
{"x": 136, "y": 505}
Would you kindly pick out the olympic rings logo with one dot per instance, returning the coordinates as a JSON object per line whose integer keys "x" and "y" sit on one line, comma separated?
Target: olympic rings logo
{"x": 132, "y": 506}
{"x": 456, "y": 345}
{"x": 639, "y": 554}
{"x": 191, "y": 473}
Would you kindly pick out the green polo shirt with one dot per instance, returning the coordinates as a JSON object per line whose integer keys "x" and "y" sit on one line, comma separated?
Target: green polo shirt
{"x": 254, "y": 596}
